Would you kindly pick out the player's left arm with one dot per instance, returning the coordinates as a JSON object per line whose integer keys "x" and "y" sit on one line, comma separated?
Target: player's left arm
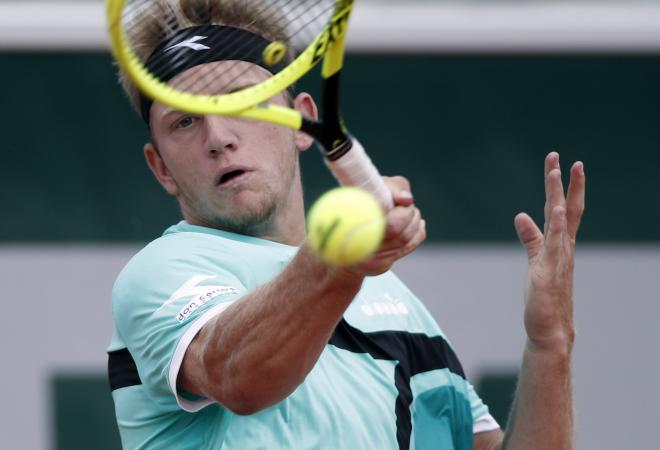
{"x": 542, "y": 413}
{"x": 488, "y": 440}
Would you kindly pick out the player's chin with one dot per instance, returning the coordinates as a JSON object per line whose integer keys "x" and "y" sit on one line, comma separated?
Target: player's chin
{"x": 245, "y": 201}
{"x": 247, "y": 213}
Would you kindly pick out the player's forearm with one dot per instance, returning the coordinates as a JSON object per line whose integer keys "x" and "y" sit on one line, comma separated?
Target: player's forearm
{"x": 262, "y": 347}
{"x": 542, "y": 415}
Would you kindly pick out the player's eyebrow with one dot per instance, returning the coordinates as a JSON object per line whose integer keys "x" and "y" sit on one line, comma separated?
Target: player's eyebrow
{"x": 170, "y": 110}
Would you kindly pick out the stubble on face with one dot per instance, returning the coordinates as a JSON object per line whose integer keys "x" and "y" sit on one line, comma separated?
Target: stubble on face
{"x": 256, "y": 219}
{"x": 270, "y": 194}
{"x": 258, "y": 207}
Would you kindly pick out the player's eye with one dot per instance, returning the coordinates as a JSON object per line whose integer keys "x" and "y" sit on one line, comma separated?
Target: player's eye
{"x": 185, "y": 122}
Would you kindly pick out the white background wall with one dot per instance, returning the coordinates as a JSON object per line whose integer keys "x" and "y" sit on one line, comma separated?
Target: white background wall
{"x": 56, "y": 311}
{"x": 463, "y": 26}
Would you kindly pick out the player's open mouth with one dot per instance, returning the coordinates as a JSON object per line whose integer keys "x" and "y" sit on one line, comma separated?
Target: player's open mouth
{"x": 231, "y": 177}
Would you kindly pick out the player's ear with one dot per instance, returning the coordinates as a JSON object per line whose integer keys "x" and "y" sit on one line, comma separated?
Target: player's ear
{"x": 305, "y": 104}
{"x": 159, "y": 169}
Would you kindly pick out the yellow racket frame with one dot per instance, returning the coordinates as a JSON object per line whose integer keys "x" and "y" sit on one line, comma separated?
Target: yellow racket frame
{"x": 329, "y": 45}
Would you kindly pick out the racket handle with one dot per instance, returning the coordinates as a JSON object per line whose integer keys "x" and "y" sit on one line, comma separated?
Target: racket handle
{"x": 354, "y": 168}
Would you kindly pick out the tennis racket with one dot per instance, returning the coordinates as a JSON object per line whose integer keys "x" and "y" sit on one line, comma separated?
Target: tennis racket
{"x": 286, "y": 37}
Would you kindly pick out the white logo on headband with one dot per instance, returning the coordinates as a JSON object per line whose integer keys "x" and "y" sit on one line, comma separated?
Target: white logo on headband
{"x": 190, "y": 43}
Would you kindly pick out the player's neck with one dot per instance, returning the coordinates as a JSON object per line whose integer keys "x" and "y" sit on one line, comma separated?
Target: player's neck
{"x": 288, "y": 226}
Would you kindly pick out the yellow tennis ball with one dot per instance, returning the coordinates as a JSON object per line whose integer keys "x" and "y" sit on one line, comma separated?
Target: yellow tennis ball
{"x": 345, "y": 226}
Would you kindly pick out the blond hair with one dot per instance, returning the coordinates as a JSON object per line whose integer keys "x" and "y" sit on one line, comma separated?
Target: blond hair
{"x": 158, "y": 20}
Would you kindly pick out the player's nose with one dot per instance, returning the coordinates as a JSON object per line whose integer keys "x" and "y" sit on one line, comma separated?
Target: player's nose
{"x": 220, "y": 136}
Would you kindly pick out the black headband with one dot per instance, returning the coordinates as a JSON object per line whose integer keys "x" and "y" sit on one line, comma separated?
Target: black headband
{"x": 190, "y": 47}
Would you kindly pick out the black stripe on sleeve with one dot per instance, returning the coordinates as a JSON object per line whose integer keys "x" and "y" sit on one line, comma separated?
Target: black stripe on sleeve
{"x": 122, "y": 370}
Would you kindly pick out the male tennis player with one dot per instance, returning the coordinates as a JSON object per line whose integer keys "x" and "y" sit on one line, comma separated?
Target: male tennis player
{"x": 230, "y": 333}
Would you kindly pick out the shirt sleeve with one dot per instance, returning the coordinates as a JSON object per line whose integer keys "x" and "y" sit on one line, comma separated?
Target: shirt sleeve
{"x": 160, "y": 303}
{"x": 482, "y": 420}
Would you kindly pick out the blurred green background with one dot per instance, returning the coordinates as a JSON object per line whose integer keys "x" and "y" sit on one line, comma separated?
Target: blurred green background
{"x": 469, "y": 131}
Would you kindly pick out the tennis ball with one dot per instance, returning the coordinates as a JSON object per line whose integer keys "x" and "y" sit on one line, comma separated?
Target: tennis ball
{"x": 345, "y": 226}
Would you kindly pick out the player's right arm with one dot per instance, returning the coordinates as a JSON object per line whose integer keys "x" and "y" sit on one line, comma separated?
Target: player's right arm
{"x": 262, "y": 347}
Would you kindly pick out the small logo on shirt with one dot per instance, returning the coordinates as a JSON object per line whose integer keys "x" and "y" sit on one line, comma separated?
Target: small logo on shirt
{"x": 389, "y": 307}
{"x": 199, "y": 301}
{"x": 200, "y": 294}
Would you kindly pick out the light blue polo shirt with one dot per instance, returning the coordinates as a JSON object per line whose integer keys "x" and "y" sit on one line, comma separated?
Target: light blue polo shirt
{"x": 387, "y": 379}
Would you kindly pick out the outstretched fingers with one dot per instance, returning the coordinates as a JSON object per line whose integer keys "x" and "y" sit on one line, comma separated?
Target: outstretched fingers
{"x": 554, "y": 237}
{"x": 529, "y": 234}
{"x": 575, "y": 199}
{"x": 551, "y": 163}
{"x": 554, "y": 195}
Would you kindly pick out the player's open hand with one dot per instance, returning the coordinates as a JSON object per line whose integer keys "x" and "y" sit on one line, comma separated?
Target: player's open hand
{"x": 405, "y": 230}
{"x": 549, "y": 290}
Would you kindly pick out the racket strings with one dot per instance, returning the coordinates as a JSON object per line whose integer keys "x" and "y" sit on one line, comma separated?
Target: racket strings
{"x": 308, "y": 18}
{"x": 239, "y": 74}
{"x": 239, "y": 48}
{"x": 282, "y": 23}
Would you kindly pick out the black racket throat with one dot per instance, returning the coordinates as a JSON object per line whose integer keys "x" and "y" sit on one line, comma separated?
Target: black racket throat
{"x": 330, "y": 132}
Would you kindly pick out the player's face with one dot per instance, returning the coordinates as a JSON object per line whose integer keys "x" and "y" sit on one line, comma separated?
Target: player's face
{"x": 230, "y": 173}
